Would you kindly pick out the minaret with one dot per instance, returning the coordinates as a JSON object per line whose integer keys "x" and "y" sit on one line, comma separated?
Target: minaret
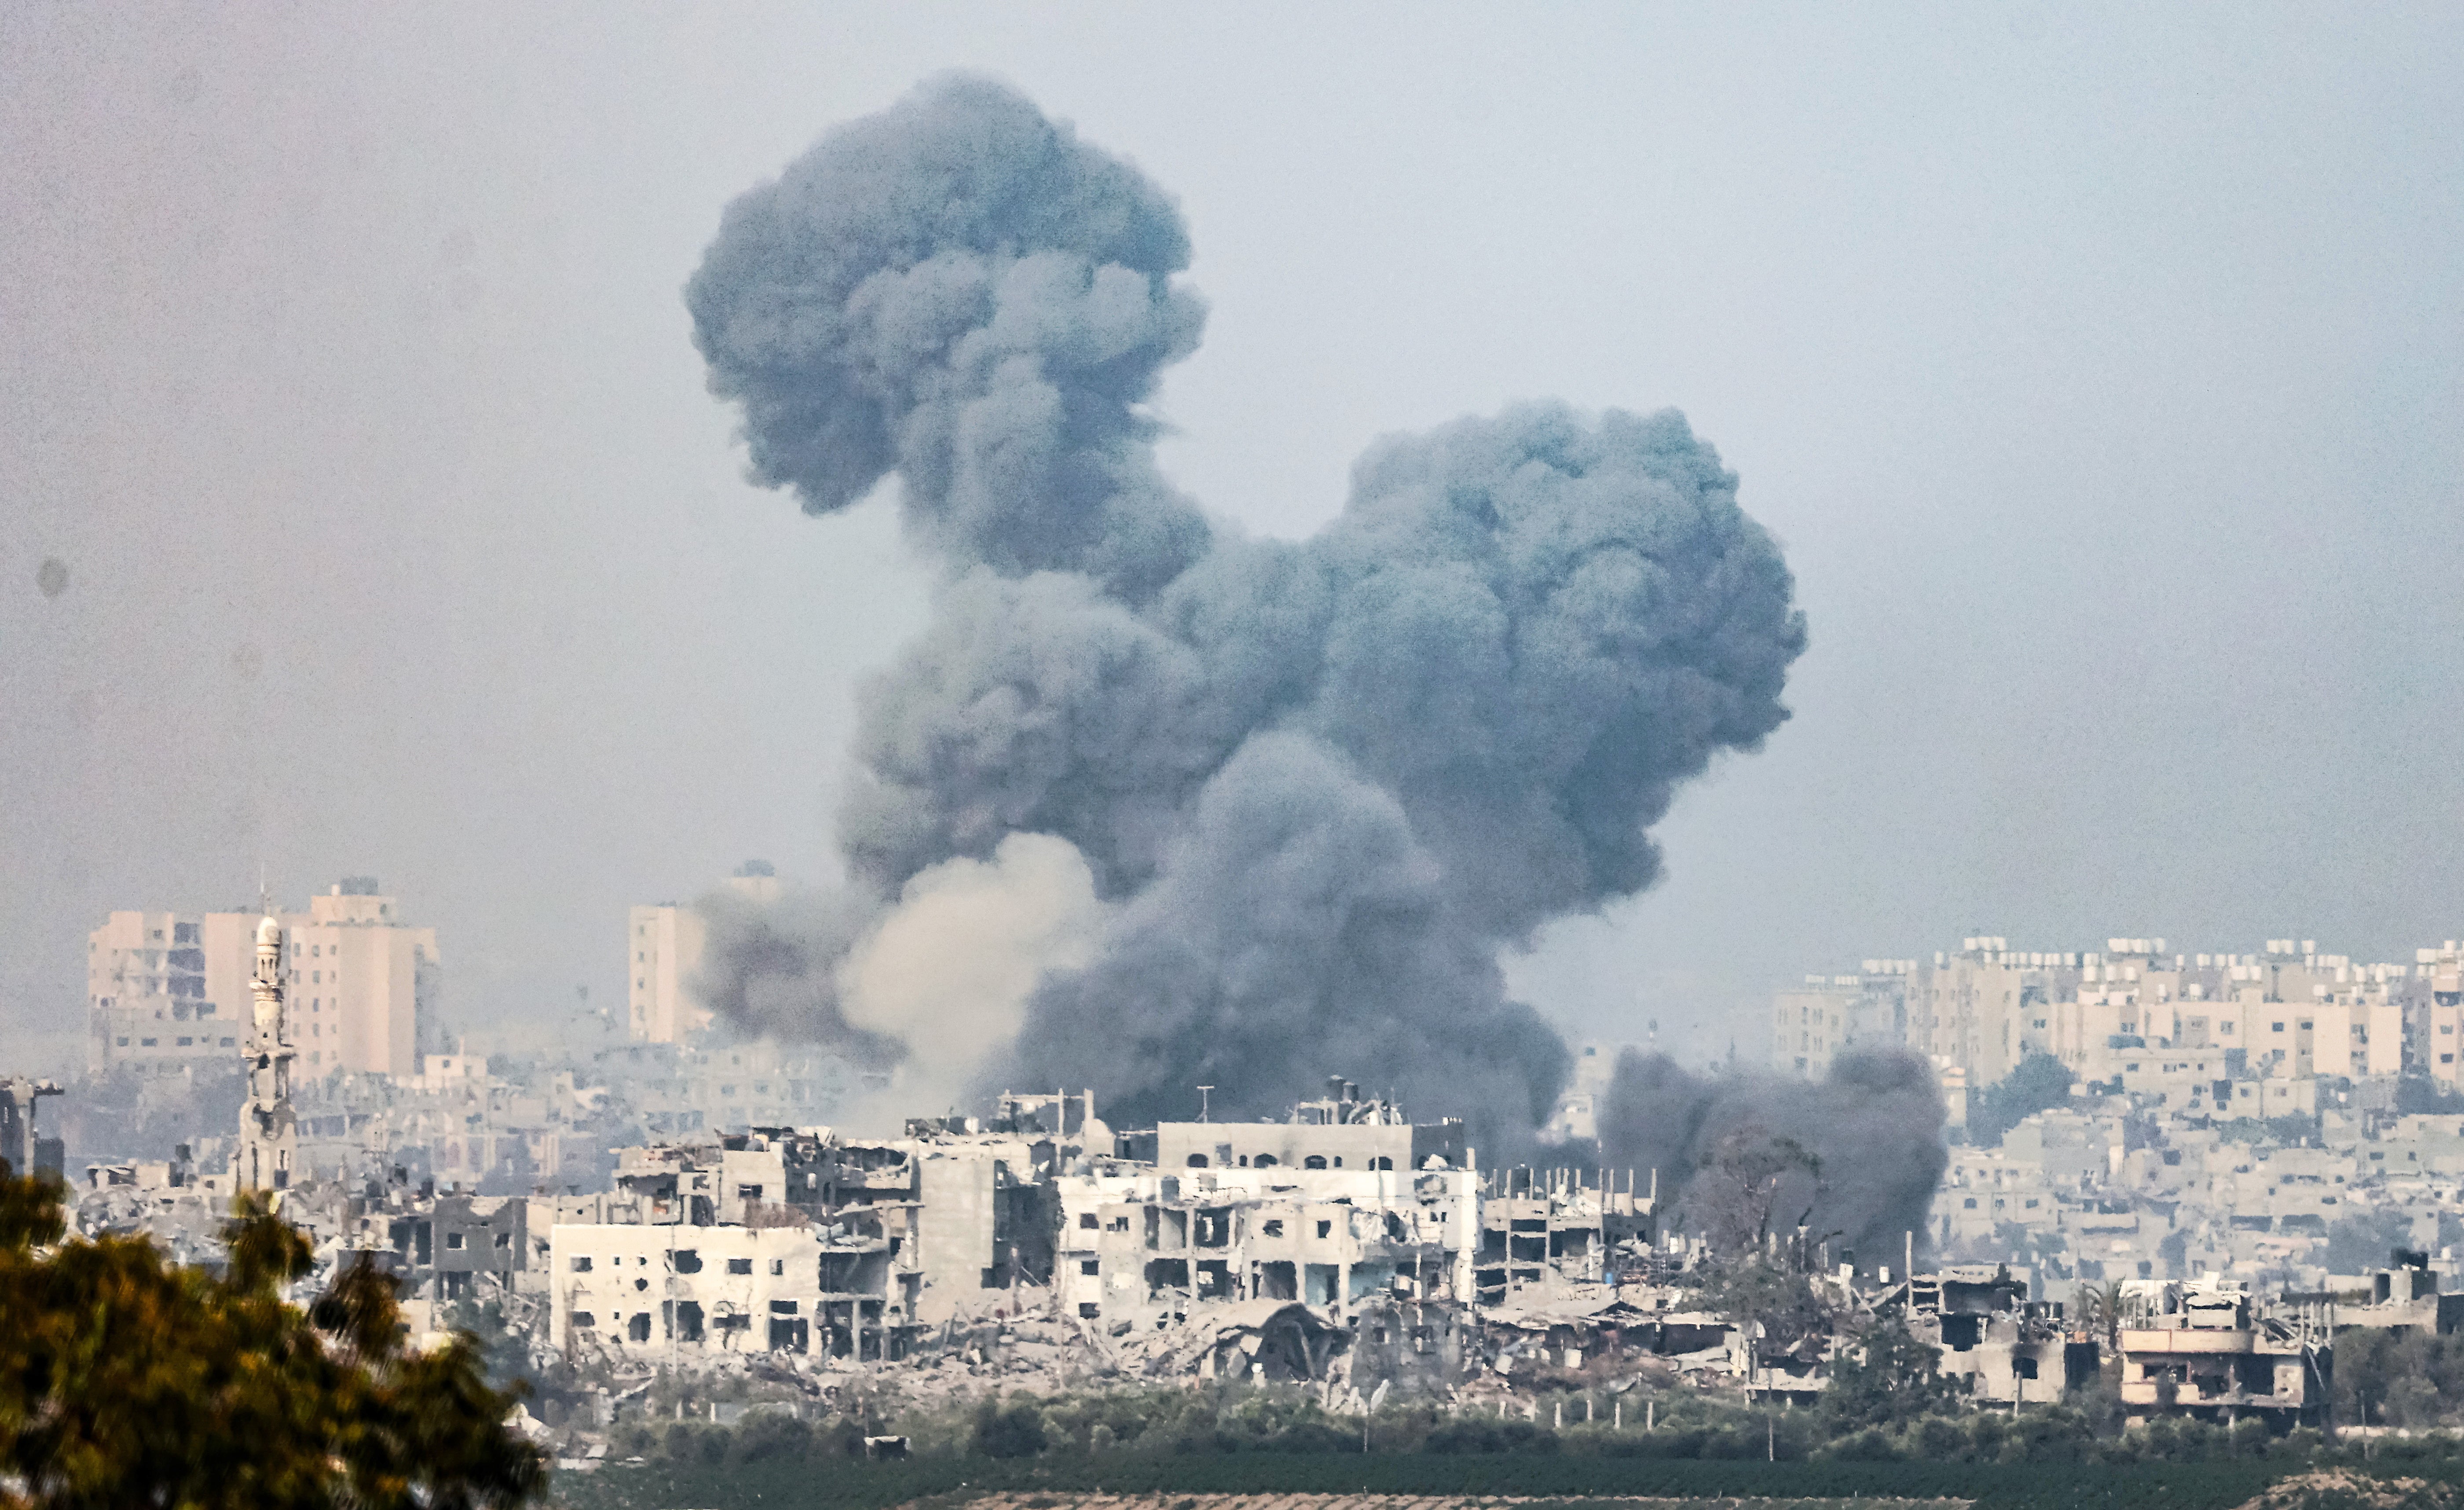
{"x": 269, "y": 1134}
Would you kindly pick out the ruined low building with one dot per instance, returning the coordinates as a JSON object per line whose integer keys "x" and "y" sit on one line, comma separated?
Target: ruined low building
{"x": 474, "y": 1236}
{"x": 2403, "y": 1298}
{"x": 2004, "y": 1348}
{"x": 1412, "y": 1347}
{"x": 1139, "y": 1246}
{"x": 1270, "y": 1342}
{"x": 22, "y": 1149}
{"x": 1345, "y": 1210}
{"x": 884, "y": 1238}
{"x": 654, "y": 1291}
{"x": 1545, "y": 1234}
{"x": 2217, "y": 1358}
{"x": 1607, "y": 1328}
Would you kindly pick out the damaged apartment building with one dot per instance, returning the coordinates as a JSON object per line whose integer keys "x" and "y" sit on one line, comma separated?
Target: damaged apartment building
{"x": 802, "y": 1241}
{"x": 792, "y": 1240}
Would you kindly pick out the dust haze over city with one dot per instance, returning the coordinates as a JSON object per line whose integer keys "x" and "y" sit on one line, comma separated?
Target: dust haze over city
{"x": 1315, "y": 545}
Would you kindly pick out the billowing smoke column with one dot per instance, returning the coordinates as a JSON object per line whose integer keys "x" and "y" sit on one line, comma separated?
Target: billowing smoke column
{"x": 1861, "y": 1149}
{"x": 1314, "y": 786}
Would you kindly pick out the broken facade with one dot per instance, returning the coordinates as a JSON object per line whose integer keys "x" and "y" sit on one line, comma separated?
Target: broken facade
{"x": 2219, "y": 1355}
{"x": 1345, "y": 1210}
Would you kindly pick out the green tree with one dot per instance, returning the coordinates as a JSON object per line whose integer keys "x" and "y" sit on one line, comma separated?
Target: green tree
{"x": 2036, "y": 1083}
{"x": 2367, "y": 1240}
{"x": 1012, "y": 1431}
{"x": 1756, "y": 1290}
{"x": 127, "y": 1380}
{"x": 1740, "y": 1180}
{"x": 2097, "y": 1309}
{"x": 1884, "y": 1377}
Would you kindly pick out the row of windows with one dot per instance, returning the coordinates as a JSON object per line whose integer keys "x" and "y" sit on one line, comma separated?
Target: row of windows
{"x": 185, "y": 1043}
{"x": 1315, "y": 1160}
{"x": 638, "y": 1329}
{"x": 687, "y": 1261}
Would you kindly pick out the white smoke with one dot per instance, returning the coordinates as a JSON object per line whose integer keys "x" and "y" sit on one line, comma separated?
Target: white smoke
{"x": 948, "y": 971}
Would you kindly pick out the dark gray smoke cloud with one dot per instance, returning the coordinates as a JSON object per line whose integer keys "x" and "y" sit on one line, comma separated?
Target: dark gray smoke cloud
{"x": 960, "y": 291}
{"x": 1874, "y": 1126}
{"x": 1324, "y": 782}
{"x": 771, "y": 969}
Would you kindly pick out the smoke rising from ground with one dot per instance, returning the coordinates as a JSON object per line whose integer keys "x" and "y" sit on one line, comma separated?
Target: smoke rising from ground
{"x": 963, "y": 952}
{"x": 1317, "y": 785}
{"x": 1874, "y": 1126}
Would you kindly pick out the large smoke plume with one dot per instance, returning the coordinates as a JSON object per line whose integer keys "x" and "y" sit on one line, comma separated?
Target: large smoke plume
{"x": 1857, "y": 1153}
{"x": 1314, "y": 786}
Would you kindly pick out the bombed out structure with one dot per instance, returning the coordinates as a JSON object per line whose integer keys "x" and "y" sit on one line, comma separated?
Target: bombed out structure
{"x": 801, "y": 1240}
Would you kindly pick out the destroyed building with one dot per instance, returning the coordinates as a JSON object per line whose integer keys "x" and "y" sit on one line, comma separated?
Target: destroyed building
{"x": 855, "y": 1248}
{"x": 2220, "y": 1355}
{"x": 23, "y": 1149}
{"x": 2004, "y": 1348}
{"x": 877, "y": 1239}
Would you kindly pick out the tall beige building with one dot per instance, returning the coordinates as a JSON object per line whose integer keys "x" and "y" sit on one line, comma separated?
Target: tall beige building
{"x": 664, "y": 944}
{"x": 667, "y": 943}
{"x": 1831, "y": 1013}
{"x": 360, "y": 982}
{"x": 166, "y": 990}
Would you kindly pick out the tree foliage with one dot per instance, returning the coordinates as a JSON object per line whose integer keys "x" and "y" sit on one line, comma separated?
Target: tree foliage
{"x": 2387, "y": 1378}
{"x": 127, "y": 1380}
{"x": 2368, "y": 1238}
{"x": 1012, "y": 1431}
{"x": 1758, "y": 1290}
{"x": 1888, "y": 1377}
{"x": 2096, "y": 1310}
{"x": 2038, "y": 1083}
{"x": 1741, "y": 1178}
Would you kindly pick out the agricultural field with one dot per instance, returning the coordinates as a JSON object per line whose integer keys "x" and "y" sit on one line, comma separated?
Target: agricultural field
{"x": 1425, "y": 1482}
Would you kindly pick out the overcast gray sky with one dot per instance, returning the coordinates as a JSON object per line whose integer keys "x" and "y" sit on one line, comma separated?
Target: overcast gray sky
{"x": 2100, "y": 370}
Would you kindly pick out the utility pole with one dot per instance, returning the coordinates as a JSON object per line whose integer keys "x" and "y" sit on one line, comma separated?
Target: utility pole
{"x": 1201, "y": 1100}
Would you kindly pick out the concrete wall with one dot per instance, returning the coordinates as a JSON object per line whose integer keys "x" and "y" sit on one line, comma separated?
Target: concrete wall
{"x": 655, "y": 1292}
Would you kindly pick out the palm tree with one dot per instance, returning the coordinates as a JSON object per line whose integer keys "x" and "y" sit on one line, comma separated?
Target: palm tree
{"x": 2097, "y": 1309}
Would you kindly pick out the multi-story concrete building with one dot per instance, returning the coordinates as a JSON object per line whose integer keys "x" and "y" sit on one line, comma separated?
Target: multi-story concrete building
{"x": 856, "y": 1247}
{"x": 2216, "y": 1356}
{"x": 1813, "y": 1024}
{"x": 664, "y": 943}
{"x": 654, "y": 1290}
{"x": 168, "y": 991}
{"x": 679, "y": 1090}
{"x": 361, "y": 983}
{"x": 1977, "y": 1008}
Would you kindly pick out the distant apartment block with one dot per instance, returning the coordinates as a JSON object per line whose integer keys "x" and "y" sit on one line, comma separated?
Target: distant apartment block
{"x": 664, "y": 942}
{"x": 1813, "y": 1023}
{"x": 168, "y": 991}
{"x": 667, "y": 943}
{"x": 2136, "y": 1013}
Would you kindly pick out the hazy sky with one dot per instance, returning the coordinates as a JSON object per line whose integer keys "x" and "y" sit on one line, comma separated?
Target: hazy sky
{"x": 2101, "y": 372}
